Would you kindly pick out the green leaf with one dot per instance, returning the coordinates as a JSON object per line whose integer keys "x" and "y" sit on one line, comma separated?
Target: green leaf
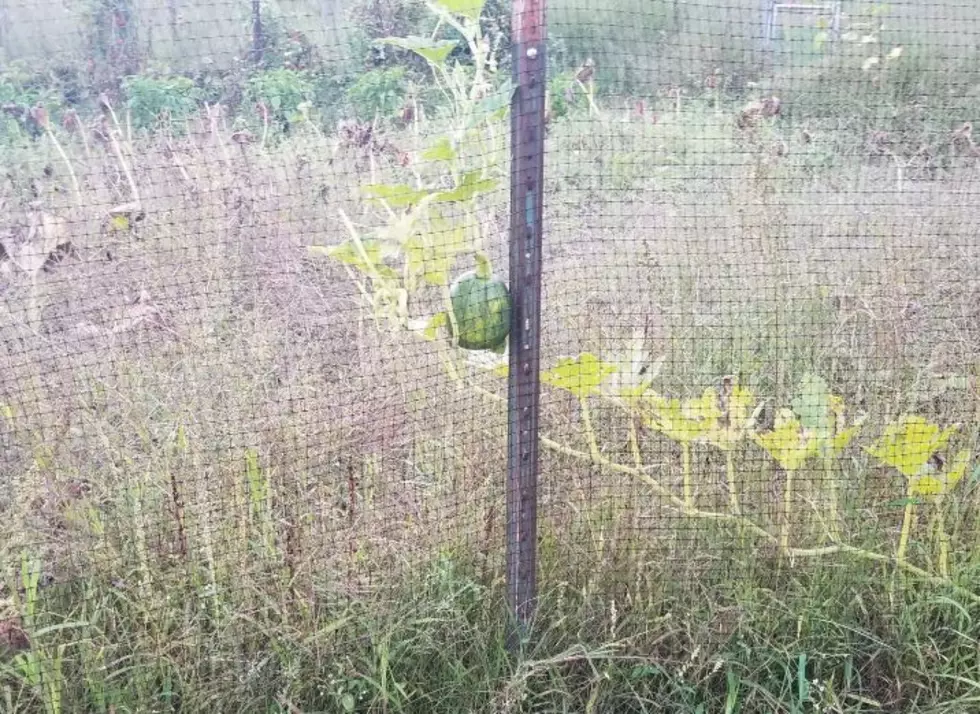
{"x": 433, "y": 52}
{"x": 813, "y": 406}
{"x": 347, "y": 702}
{"x": 580, "y": 375}
{"x": 395, "y": 195}
{"x": 442, "y": 150}
{"x": 431, "y": 254}
{"x": 470, "y": 9}
{"x": 500, "y": 349}
{"x": 469, "y": 186}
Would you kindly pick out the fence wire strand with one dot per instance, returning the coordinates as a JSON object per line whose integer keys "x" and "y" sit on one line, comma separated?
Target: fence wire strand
{"x": 253, "y": 321}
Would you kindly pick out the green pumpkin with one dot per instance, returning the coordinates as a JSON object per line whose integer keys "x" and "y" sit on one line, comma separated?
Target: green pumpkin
{"x": 482, "y": 310}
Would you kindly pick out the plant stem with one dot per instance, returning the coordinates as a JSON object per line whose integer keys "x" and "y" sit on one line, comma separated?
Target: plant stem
{"x": 634, "y": 441}
{"x": 447, "y": 301}
{"x": 688, "y": 488}
{"x": 828, "y": 469}
{"x": 117, "y": 150}
{"x": 903, "y": 539}
{"x": 71, "y": 170}
{"x": 730, "y": 478}
{"x": 787, "y": 511}
{"x": 589, "y": 431}
{"x": 943, "y": 539}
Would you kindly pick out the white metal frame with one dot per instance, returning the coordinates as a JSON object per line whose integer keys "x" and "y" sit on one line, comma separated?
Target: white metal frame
{"x": 775, "y": 7}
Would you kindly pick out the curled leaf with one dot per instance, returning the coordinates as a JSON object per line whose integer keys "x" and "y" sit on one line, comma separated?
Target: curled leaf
{"x": 908, "y": 444}
{"x": 932, "y": 484}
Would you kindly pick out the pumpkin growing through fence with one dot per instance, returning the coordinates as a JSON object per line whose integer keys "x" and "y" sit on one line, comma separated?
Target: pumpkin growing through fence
{"x": 481, "y": 308}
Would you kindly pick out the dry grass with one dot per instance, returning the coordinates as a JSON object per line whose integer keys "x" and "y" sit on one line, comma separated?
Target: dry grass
{"x": 202, "y": 424}
{"x": 162, "y": 355}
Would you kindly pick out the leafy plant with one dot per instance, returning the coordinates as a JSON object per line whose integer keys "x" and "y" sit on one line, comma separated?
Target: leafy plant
{"x": 912, "y": 446}
{"x": 279, "y": 96}
{"x": 154, "y": 100}
{"x": 421, "y": 231}
{"x": 39, "y": 666}
{"x": 402, "y": 258}
{"x": 378, "y": 92}
{"x": 816, "y": 425}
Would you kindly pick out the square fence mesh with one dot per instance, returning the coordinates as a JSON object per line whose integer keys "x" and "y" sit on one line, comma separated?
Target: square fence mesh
{"x": 253, "y": 322}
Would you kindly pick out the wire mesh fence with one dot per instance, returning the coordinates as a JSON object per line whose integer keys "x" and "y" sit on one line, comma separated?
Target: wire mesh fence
{"x": 253, "y": 280}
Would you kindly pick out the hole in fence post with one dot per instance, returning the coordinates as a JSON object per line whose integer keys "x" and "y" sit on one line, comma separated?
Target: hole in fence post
{"x": 526, "y": 202}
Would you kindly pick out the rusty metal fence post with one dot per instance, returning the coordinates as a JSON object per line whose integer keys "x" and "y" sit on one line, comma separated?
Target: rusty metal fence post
{"x": 523, "y": 389}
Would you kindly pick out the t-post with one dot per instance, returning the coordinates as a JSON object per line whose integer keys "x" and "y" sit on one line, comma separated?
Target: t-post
{"x": 523, "y": 387}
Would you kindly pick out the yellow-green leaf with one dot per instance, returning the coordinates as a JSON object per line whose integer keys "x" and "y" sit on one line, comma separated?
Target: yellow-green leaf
{"x": 395, "y": 195}
{"x": 430, "y": 50}
{"x": 437, "y": 321}
{"x": 908, "y": 444}
{"x": 442, "y": 150}
{"x": 931, "y": 484}
{"x": 685, "y": 421}
{"x": 842, "y": 439}
{"x": 742, "y": 411}
{"x": 789, "y": 444}
{"x": 430, "y": 261}
{"x": 470, "y": 9}
{"x": 469, "y": 186}
{"x": 366, "y": 258}
{"x": 580, "y": 375}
